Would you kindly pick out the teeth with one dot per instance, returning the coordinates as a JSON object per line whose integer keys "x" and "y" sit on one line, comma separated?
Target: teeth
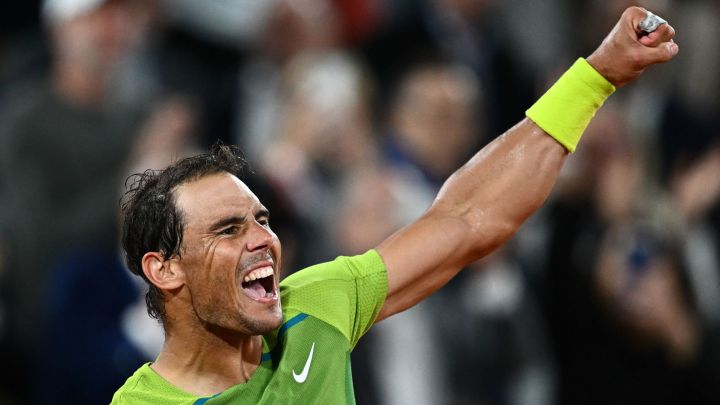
{"x": 256, "y": 274}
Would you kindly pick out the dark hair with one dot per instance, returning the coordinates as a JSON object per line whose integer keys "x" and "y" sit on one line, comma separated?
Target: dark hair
{"x": 151, "y": 221}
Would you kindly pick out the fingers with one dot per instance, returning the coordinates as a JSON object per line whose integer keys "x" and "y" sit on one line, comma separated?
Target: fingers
{"x": 639, "y": 19}
{"x": 659, "y": 44}
{"x": 664, "y": 33}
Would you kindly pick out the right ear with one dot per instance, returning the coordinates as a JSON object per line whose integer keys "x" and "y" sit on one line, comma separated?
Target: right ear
{"x": 161, "y": 272}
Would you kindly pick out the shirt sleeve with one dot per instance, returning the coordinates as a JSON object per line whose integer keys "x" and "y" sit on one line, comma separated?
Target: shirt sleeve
{"x": 346, "y": 293}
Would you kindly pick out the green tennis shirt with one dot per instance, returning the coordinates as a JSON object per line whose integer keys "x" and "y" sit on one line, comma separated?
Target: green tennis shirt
{"x": 326, "y": 308}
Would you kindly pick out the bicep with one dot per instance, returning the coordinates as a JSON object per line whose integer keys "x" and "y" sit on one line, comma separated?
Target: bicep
{"x": 478, "y": 208}
{"x": 420, "y": 258}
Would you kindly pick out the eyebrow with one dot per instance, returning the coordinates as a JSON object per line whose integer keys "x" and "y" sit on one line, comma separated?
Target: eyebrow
{"x": 239, "y": 220}
{"x": 227, "y": 221}
{"x": 262, "y": 212}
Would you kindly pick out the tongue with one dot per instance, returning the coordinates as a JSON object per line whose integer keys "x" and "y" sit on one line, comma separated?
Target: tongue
{"x": 254, "y": 289}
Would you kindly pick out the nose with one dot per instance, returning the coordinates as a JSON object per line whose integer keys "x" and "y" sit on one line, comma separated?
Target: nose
{"x": 259, "y": 237}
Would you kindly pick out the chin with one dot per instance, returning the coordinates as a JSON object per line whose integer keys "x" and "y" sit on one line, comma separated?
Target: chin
{"x": 276, "y": 321}
{"x": 266, "y": 324}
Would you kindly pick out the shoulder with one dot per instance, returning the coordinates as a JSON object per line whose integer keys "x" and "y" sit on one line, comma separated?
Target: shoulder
{"x": 343, "y": 268}
{"x": 146, "y": 387}
{"x": 125, "y": 393}
{"x": 335, "y": 283}
{"x": 345, "y": 293}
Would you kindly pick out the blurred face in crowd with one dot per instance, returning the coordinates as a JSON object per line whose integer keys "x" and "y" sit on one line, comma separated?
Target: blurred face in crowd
{"x": 327, "y": 114}
{"x": 296, "y": 26}
{"x": 99, "y": 38}
{"x": 229, "y": 256}
{"x": 435, "y": 117}
{"x": 368, "y": 211}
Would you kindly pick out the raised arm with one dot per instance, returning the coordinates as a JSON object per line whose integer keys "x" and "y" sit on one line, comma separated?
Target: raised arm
{"x": 484, "y": 203}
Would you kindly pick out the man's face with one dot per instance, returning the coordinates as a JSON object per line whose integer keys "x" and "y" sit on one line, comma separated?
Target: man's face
{"x": 229, "y": 255}
{"x": 100, "y": 38}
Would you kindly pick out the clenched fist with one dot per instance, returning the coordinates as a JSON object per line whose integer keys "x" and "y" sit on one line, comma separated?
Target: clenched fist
{"x": 627, "y": 50}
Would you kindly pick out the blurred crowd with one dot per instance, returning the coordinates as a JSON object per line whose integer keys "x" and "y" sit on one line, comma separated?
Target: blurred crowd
{"x": 352, "y": 113}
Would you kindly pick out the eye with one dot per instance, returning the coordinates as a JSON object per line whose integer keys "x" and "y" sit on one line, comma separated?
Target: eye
{"x": 230, "y": 230}
{"x": 264, "y": 220}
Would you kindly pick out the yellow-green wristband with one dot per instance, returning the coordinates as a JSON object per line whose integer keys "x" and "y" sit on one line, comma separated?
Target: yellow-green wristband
{"x": 566, "y": 109}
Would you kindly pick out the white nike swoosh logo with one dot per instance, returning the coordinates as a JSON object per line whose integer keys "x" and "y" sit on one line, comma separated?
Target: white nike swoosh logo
{"x": 300, "y": 378}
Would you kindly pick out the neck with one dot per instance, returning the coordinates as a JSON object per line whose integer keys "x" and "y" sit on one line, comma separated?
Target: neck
{"x": 204, "y": 362}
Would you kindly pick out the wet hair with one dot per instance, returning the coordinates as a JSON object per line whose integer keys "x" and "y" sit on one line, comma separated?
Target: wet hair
{"x": 151, "y": 221}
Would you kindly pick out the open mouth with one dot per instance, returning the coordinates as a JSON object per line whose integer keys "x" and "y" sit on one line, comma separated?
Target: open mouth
{"x": 260, "y": 283}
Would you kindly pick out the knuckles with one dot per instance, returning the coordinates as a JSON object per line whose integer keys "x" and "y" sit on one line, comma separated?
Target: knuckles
{"x": 634, "y": 12}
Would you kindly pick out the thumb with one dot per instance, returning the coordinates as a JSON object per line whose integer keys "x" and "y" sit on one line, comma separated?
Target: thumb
{"x": 661, "y": 53}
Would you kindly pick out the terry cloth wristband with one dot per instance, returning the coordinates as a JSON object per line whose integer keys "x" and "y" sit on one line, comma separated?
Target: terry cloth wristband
{"x": 566, "y": 109}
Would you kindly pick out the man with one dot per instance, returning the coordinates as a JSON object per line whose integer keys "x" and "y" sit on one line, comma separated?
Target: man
{"x": 203, "y": 242}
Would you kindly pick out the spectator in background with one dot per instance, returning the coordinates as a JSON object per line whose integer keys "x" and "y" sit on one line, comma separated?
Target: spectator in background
{"x": 65, "y": 145}
{"x": 500, "y": 355}
{"x": 690, "y": 121}
{"x": 93, "y": 329}
{"x": 325, "y": 135}
{"x": 468, "y": 33}
{"x": 434, "y": 122}
{"x": 649, "y": 326}
{"x": 617, "y": 294}
{"x": 92, "y": 320}
{"x": 576, "y": 225}
{"x": 22, "y": 49}
{"x": 202, "y": 47}
{"x": 695, "y": 193}
{"x": 293, "y": 30}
